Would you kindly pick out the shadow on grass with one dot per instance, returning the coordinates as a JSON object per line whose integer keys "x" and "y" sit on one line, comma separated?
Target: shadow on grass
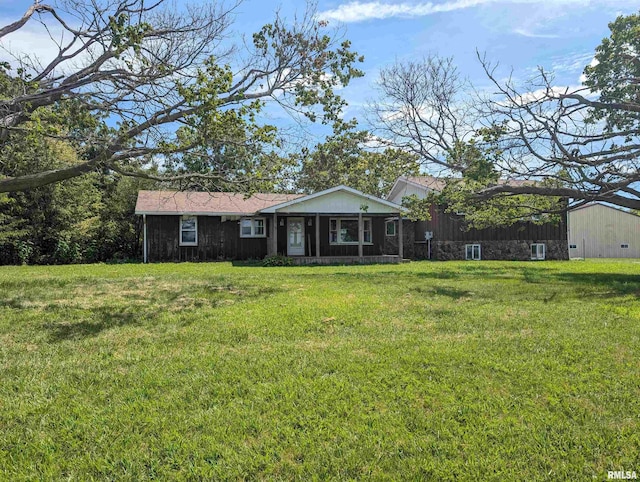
{"x": 103, "y": 318}
{"x": 447, "y": 291}
{"x": 93, "y": 321}
{"x": 613, "y": 284}
{"x": 603, "y": 285}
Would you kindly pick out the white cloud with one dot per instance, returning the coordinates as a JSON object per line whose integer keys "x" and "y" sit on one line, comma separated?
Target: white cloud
{"x": 527, "y": 33}
{"x": 360, "y": 11}
{"x": 356, "y": 11}
{"x": 593, "y": 63}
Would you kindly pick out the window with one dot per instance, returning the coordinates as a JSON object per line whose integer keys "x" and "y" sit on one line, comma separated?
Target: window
{"x": 188, "y": 231}
{"x": 624, "y": 245}
{"x": 537, "y": 251}
{"x": 472, "y": 251}
{"x": 345, "y": 231}
{"x": 252, "y": 228}
{"x": 390, "y": 228}
{"x": 573, "y": 246}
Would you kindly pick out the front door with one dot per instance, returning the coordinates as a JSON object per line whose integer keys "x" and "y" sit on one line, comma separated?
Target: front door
{"x": 295, "y": 236}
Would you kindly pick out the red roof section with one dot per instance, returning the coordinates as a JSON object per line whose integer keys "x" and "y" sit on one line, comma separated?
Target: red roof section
{"x": 184, "y": 202}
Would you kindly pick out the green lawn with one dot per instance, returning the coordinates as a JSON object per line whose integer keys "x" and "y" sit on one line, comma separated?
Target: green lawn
{"x": 434, "y": 371}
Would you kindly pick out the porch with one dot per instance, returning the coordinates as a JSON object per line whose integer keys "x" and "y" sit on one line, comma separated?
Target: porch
{"x": 337, "y": 225}
{"x": 324, "y": 260}
{"x": 338, "y": 237}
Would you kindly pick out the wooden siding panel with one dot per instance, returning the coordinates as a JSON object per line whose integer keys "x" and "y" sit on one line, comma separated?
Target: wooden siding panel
{"x": 451, "y": 227}
{"x": 216, "y": 240}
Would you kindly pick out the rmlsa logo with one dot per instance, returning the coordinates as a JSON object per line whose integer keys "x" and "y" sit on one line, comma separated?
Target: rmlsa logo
{"x": 621, "y": 475}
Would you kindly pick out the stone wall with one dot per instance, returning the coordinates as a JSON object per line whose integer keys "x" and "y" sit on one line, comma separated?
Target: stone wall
{"x": 499, "y": 250}
{"x": 519, "y": 249}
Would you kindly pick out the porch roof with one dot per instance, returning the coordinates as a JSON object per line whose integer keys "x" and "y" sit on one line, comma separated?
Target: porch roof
{"x": 338, "y": 200}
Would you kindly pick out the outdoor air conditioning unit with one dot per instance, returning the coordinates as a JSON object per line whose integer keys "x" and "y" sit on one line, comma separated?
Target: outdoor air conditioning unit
{"x": 428, "y": 235}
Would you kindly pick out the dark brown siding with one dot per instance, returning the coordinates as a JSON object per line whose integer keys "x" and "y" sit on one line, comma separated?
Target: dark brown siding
{"x": 451, "y": 227}
{"x": 216, "y": 240}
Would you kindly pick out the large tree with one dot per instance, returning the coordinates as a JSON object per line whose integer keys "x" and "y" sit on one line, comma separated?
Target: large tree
{"x": 577, "y": 143}
{"x": 133, "y": 83}
{"x": 353, "y": 158}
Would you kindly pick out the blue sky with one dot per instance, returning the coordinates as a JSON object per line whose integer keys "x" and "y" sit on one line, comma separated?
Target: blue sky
{"x": 560, "y": 35}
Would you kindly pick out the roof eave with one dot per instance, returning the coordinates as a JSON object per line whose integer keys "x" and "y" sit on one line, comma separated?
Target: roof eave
{"x": 274, "y": 209}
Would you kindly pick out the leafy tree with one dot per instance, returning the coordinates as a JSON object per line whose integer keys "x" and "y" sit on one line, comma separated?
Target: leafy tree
{"x": 135, "y": 81}
{"x": 344, "y": 158}
{"x": 577, "y": 144}
{"x": 584, "y": 140}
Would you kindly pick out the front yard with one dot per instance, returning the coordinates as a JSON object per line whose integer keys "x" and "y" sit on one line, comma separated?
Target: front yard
{"x": 433, "y": 371}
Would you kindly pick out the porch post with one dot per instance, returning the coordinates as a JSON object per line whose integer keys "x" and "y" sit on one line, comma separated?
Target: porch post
{"x": 317, "y": 235}
{"x": 274, "y": 247}
{"x": 360, "y": 234}
{"x": 145, "y": 256}
{"x": 400, "y": 238}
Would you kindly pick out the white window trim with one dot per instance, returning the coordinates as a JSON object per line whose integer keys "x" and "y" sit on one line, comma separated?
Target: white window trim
{"x": 386, "y": 231}
{"x": 350, "y": 243}
{"x": 624, "y": 246}
{"x": 544, "y": 251}
{"x": 195, "y": 243}
{"x": 472, "y": 258}
{"x": 253, "y": 228}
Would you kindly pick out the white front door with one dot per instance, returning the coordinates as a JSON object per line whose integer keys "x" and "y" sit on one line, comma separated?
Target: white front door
{"x": 295, "y": 236}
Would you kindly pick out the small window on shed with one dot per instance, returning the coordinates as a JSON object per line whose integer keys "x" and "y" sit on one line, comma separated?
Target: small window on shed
{"x": 573, "y": 246}
{"x": 624, "y": 245}
{"x": 188, "y": 231}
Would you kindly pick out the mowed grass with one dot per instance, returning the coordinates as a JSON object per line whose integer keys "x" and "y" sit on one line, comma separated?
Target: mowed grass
{"x": 423, "y": 371}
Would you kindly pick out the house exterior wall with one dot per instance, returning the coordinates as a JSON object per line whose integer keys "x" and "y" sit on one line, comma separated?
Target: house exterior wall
{"x": 407, "y": 190}
{"x": 217, "y": 240}
{"x": 220, "y": 240}
{"x": 599, "y": 231}
{"x": 450, "y": 236}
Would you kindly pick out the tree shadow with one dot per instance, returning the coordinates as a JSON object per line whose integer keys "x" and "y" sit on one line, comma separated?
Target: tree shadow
{"x": 102, "y": 318}
{"x": 447, "y": 291}
{"x": 607, "y": 285}
{"x": 108, "y": 316}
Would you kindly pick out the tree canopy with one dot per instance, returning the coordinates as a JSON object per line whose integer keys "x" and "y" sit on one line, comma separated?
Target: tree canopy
{"x": 352, "y": 158}
{"x": 576, "y": 143}
{"x": 134, "y": 83}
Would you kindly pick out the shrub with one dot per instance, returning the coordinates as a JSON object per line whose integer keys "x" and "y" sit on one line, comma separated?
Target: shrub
{"x": 67, "y": 251}
{"x": 277, "y": 260}
{"x": 24, "y": 250}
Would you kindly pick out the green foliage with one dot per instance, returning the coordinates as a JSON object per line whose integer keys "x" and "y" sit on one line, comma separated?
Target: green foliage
{"x": 615, "y": 76}
{"x": 419, "y": 209}
{"x": 476, "y": 159}
{"x": 494, "y": 371}
{"x": 24, "y": 251}
{"x": 344, "y": 159}
{"x": 277, "y": 260}
{"x": 500, "y": 210}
